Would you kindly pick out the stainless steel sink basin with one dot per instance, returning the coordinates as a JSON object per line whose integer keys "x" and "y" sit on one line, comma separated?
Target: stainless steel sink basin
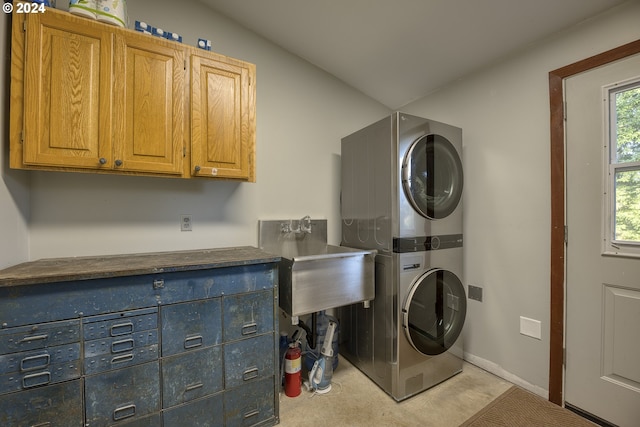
{"x": 313, "y": 275}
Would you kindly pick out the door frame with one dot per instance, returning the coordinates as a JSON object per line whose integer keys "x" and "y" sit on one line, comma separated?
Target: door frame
{"x": 558, "y": 199}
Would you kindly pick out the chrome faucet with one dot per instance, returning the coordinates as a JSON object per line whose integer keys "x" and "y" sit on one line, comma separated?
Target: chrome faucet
{"x": 305, "y": 225}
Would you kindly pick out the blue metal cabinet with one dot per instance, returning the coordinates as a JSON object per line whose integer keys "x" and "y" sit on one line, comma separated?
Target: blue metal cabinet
{"x": 207, "y": 412}
{"x": 163, "y": 346}
{"x": 248, "y": 314}
{"x": 55, "y": 405}
{"x": 118, "y": 340}
{"x": 122, "y": 394}
{"x": 191, "y": 325}
{"x": 249, "y": 405}
{"x": 191, "y": 375}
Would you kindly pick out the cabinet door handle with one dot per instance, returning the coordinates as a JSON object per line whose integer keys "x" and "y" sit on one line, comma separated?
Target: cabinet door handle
{"x": 118, "y": 162}
{"x": 45, "y": 424}
{"x": 193, "y": 342}
{"x": 102, "y": 161}
{"x": 124, "y": 412}
{"x": 250, "y": 374}
{"x": 194, "y": 386}
{"x": 122, "y": 345}
{"x": 24, "y": 363}
{"x": 252, "y": 413}
{"x": 35, "y": 338}
{"x": 121, "y": 329}
{"x": 250, "y": 328}
{"x": 122, "y": 359}
{"x": 40, "y": 378}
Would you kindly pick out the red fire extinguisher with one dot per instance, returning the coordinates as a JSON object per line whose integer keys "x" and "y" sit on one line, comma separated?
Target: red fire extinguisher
{"x": 293, "y": 370}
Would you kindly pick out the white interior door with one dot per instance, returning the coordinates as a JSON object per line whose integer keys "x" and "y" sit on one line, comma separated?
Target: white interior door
{"x": 602, "y": 371}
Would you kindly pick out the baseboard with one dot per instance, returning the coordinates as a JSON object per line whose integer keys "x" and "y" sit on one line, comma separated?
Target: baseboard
{"x": 499, "y": 371}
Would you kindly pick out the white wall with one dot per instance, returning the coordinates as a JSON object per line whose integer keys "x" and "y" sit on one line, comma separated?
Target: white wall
{"x": 504, "y": 114}
{"x": 302, "y": 113}
{"x": 14, "y": 185}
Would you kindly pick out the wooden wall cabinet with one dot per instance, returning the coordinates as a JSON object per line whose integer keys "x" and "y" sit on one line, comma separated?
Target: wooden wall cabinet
{"x": 90, "y": 97}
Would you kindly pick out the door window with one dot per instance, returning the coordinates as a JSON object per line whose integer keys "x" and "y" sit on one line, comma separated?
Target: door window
{"x": 434, "y": 312}
{"x": 432, "y": 176}
{"x": 622, "y": 225}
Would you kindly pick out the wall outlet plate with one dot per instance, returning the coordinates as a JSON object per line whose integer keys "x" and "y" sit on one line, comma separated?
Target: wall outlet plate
{"x": 475, "y": 293}
{"x": 185, "y": 223}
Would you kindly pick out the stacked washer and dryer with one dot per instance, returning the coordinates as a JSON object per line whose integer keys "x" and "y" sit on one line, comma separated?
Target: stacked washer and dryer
{"x": 401, "y": 194}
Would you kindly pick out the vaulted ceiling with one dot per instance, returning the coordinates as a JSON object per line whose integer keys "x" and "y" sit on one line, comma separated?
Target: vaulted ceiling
{"x": 401, "y": 50}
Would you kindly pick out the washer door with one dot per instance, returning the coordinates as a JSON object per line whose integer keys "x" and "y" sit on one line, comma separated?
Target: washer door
{"x": 432, "y": 176}
{"x": 434, "y": 312}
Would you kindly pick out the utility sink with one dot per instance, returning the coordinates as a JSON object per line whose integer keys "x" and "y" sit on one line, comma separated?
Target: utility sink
{"x": 315, "y": 276}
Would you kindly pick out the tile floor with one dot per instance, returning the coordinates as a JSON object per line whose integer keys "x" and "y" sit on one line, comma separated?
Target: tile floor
{"x": 355, "y": 400}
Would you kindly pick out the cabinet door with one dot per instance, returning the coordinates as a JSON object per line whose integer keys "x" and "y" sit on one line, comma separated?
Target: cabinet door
{"x": 67, "y": 89}
{"x": 148, "y": 105}
{"x": 222, "y": 118}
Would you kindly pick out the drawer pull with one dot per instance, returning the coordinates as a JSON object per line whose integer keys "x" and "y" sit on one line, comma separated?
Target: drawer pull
{"x": 158, "y": 284}
{"x": 250, "y": 374}
{"x": 121, "y": 329}
{"x": 194, "y": 386}
{"x": 27, "y": 364}
{"x": 250, "y": 328}
{"x": 122, "y": 345}
{"x": 123, "y": 412}
{"x": 34, "y": 380}
{"x": 122, "y": 359}
{"x": 35, "y": 338}
{"x": 252, "y": 413}
{"x": 45, "y": 424}
{"x": 193, "y": 342}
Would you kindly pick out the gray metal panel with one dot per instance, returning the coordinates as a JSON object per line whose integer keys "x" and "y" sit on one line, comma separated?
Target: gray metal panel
{"x": 248, "y": 315}
{"x": 191, "y": 325}
{"x": 39, "y": 367}
{"x": 207, "y": 412}
{"x": 39, "y": 336}
{"x": 122, "y": 395}
{"x": 248, "y": 360}
{"x": 250, "y": 404}
{"x": 59, "y": 405}
{"x": 192, "y": 375}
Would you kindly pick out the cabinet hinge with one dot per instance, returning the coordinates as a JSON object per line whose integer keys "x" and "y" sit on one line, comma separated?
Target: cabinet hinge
{"x": 184, "y": 63}
{"x": 21, "y": 136}
{"x": 184, "y": 151}
{"x": 564, "y": 111}
{"x": 564, "y": 357}
{"x": 566, "y": 234}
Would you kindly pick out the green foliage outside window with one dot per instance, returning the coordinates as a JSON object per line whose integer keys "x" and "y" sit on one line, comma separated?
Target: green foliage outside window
{"x": 627, "y": 180}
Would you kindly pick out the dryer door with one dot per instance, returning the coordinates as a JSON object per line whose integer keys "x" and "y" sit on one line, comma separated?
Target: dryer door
{"x": 434, "y": 312}
{"x": 432, "y": 176}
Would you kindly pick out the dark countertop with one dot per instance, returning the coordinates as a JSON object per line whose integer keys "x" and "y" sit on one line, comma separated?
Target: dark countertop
{"x": 50, "y": 270}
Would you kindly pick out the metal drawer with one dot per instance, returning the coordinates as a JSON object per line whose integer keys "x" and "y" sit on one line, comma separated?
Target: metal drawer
{"x": 40, "y": 335}
{"x": 248, "y": 315}
{"x": 150, "y": 421}
{"x": 250, "y": 405}
{"x": 192, "y": 325}
{"x": 207, "y": 412}
{"x": 123, "y": 395}
{"x": 248, "y": 360}
{"x": 119, "y": 324}
{"x": 39, "y": 367}
{"x": 57, "y": 405}
{"x": 192, "y": 375}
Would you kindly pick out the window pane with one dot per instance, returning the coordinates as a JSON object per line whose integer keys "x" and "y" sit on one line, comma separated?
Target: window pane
{"x": 627, "y": 208}
{"x": 628, "y": 126}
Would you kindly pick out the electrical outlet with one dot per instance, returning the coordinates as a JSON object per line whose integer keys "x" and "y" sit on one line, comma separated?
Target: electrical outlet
{"x": 530, "y": 327}
{"x": 185, "y": 223}
{"x": 475, "y": 293}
